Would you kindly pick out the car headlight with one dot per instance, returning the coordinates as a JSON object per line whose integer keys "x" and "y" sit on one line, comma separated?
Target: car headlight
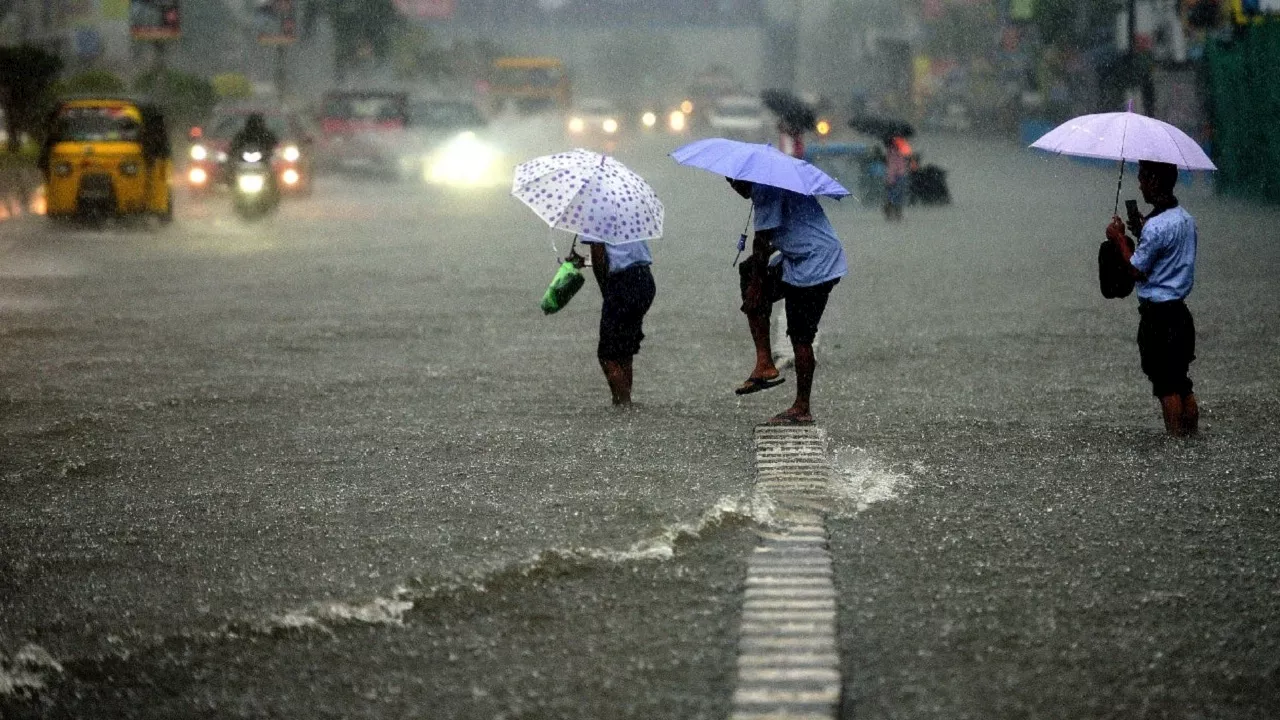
{"x": 577, "y": 125}
{"x": 290, "y": 177}
{"x": 609, "y": 125}
{"x": 198, "y": 176}
{"x": 676, "y": 121}
{"x": 62, "y": 169}
{"x": 251, "y": 184}
{"x": 466, "y": 160}
{"x": 199, "y": 152}
{"x": 649, "y": 119}
{"x": 252, "y": 156}
{"x": 291, "y": 153}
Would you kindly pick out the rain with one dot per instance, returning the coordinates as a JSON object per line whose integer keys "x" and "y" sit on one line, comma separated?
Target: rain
{"x": 333, "y": 452}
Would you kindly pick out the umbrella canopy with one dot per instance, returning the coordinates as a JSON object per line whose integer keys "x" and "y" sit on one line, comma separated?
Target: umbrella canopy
{"x": 757, "y": 163}
{"x": 590, "y": 194}
{"x": 1125, "y": 136}
{"x": 796, "y": 114}
{"x": 882, "y": 127}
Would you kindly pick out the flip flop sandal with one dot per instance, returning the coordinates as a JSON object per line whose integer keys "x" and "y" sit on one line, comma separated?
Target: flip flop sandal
{"x": 756, "y": 384}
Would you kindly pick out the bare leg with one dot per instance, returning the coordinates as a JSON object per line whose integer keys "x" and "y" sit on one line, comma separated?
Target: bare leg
{"x": 618, "y": 374}
{"x": 1171, "y": 407}
{"x": 759, "y": 324}
{"x": 1190, "y": 414}
{"x": 799, "y": 412}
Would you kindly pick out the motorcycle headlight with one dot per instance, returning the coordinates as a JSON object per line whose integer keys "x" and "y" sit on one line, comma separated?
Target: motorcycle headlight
{"x": 62, "y": 169}
{"x": 824, "y": 127}
{"x": 129, "y": 168}
{"x": 199, "y": 152}
{"x": 676, "y": 121}
{"x": 609, "y": 125}
{"x": 576, "y": 125}
{"x": 290, "y": 177}
{"x": 198, "y": 176}
{"x": 291, "y": 153}
{"x": 649, "y": 119}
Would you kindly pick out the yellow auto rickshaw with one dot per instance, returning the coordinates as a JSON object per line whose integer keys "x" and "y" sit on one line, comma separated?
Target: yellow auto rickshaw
{"x": 107, "y": 156}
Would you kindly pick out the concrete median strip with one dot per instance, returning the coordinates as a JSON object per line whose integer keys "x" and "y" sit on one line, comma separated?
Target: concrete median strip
{"x": 788, "y": 668}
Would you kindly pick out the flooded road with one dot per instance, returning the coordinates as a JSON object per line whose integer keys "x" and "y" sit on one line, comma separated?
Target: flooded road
{"x": 338, "y": 464}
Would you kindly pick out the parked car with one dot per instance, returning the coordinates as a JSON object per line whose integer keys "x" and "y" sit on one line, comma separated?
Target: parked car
{"x": 294, "y": 161}
{"x": 741, "y": 117}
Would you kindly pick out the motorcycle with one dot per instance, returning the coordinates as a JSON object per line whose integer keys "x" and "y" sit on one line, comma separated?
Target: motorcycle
{"x": 253, "y": 187}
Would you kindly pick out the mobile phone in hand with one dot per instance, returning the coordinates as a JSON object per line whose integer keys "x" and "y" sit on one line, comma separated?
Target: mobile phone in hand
{"x": 1135, "y": 217}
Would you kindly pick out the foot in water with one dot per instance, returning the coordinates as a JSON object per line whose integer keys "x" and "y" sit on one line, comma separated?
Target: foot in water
{"x": 791, "y": 416}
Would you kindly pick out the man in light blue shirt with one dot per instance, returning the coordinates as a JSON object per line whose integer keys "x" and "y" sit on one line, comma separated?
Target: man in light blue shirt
{"x": 1163, "y": 266}
{"x": 626, "y": 284}
{"x": 812, "y": 263}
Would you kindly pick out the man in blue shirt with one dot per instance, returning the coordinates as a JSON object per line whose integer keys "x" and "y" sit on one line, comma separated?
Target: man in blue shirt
{"x": 1163, "y": 266}
{"x": 626, "y": 283}
{"x": 811, "y": 263}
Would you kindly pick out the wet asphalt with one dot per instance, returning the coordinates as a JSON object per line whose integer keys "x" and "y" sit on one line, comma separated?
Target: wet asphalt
{"x": 230, "y": 452}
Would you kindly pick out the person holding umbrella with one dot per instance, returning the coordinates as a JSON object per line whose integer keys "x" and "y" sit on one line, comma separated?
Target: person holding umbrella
{"x": 626, "y": 284}
{"x": 1163, "y": 260}
{"x": 788, "y": 218}
{"x": 613, "y": 211}
{"x": 1163, "y": 266}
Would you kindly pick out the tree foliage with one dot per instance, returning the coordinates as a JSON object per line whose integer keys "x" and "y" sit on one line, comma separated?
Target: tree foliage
{"x": 26, "y": 75}
{"x": 187, "y": 99}
{"x": 91, "y": 81}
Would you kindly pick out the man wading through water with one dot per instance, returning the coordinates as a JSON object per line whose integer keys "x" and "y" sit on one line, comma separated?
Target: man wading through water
{"x": 1163, "y": 265}
{"x": 811, "y": 261}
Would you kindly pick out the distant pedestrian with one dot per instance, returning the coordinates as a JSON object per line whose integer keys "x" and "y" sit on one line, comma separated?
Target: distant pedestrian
{"x": 897, "y": 175}
{"x": 626, "y": 284}
{"x": 790, "y": 140}
{"x": 1163, "y": 264}
{"x": 810, "y": 263}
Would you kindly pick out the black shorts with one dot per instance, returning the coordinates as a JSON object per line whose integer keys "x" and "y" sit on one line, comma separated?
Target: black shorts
{"x": 627, "y": 297}
{"x": 805, "y": 305}
{"x": 1167, "y": 345}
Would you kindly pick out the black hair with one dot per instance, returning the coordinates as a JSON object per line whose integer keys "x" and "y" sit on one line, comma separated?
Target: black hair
{"x": 1163, "y": 175}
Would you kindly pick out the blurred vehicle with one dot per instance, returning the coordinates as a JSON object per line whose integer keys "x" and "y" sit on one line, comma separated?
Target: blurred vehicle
{"x": 293, "y": 162}
{"x": 664, "y": 116}
{"x": 107, "y": 156}
{"x": 254, "y": 190}
{"x": 364, "y": 132}
{"x": 595, "y": 117}
{"x": 707, "y": 87}
{"x": 530, "y": 84}
{"x": 740, "y": 117}
{"x": 456, "y": 148}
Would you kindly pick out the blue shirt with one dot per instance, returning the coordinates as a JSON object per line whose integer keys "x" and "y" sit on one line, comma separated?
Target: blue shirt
{"x": 623, "y": 256}
{"x": 811, "y": 252}
{"x": 1166, "y": 254}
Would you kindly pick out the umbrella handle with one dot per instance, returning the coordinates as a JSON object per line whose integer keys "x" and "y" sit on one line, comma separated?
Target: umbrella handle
{"x": 1119, "y": 182}
{"x": 742, "y": 239}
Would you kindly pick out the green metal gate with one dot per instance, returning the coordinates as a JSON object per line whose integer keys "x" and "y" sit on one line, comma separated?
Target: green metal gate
{"x": 1244, "y": 87}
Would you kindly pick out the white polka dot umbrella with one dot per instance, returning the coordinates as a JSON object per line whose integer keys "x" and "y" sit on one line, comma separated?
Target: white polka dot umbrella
{"x": 590, "y": 194}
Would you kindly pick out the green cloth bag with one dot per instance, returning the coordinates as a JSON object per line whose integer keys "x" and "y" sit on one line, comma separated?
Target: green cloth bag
{"x": 567, "y": 282}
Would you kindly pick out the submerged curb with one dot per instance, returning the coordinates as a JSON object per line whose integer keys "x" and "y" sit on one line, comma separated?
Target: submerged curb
{"x": 788, "y": 664}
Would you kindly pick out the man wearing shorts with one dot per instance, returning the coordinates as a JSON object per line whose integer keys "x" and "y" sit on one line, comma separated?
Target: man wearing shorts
{"x": 626, "y": 283}
{"x": 1163, "y": 266}
{"x": 810, "y": 262}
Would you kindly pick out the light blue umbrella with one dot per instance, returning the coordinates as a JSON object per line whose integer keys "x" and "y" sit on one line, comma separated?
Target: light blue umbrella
{"x": 758, "y": 163}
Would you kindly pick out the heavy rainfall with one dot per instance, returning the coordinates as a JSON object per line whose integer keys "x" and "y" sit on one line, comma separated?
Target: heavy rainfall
{"x": 292, "y": 424}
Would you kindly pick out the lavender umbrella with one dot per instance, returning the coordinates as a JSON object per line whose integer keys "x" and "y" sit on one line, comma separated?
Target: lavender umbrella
{"x": 1125, "y": 137}
{"x": 590, "y": 194}
{"x": 757, "y": 163}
